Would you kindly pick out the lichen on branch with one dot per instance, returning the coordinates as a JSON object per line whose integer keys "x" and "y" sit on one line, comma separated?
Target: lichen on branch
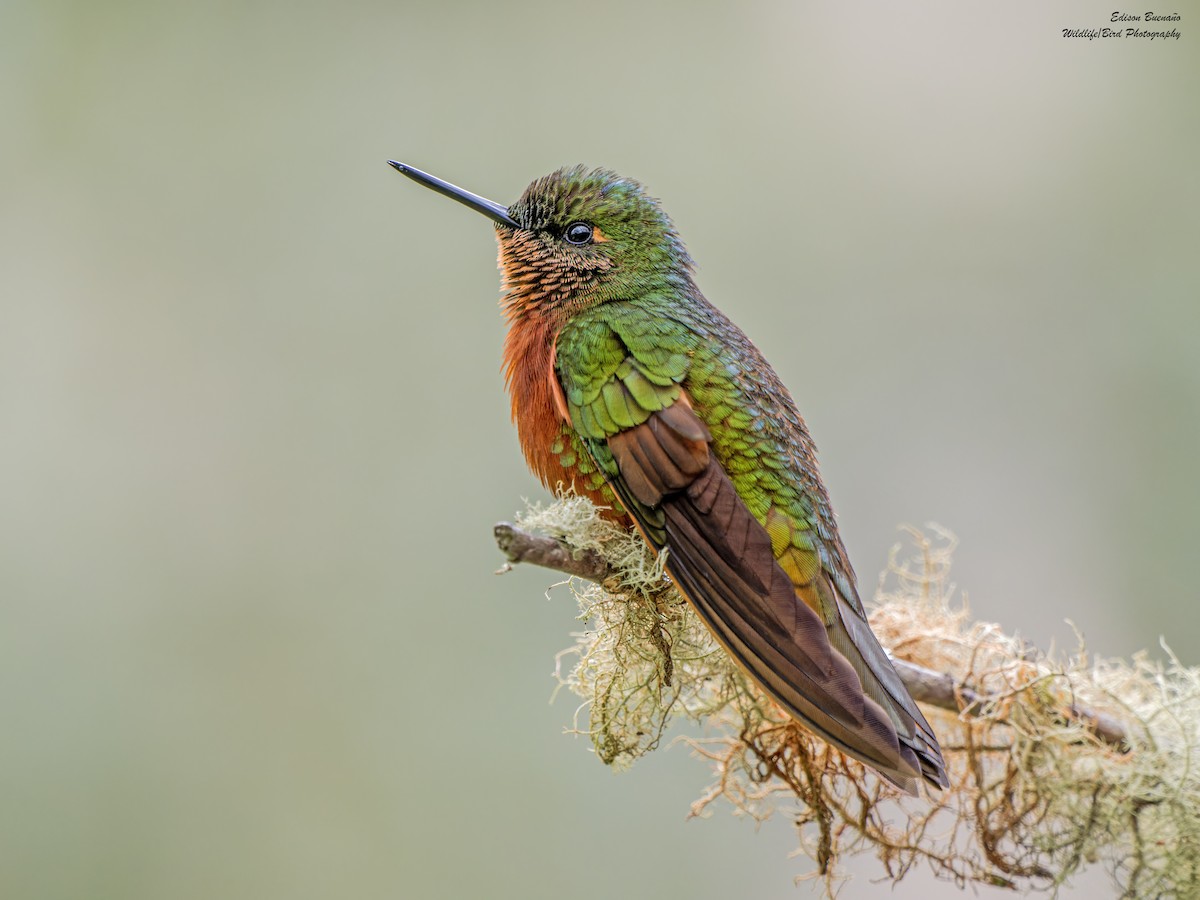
{"x": 1054, "y": 765}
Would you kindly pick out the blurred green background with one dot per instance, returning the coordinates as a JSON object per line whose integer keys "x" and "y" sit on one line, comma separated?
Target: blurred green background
{"x": 254, "y": 436}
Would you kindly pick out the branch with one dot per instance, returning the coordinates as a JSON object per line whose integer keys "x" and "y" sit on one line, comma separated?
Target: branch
{"x": 937, "y": 689}
{"x": 1053, "y": 764}
{"x": 520, "y": 546}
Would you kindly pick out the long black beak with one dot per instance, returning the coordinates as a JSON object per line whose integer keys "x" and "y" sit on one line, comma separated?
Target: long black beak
{"x": 489, "y": 208}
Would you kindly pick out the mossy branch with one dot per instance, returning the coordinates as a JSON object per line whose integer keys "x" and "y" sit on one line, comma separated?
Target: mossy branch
{"x": 937, "y": 689}
{"x": 520, "y": 546}
{"x": 1053, "y": 765}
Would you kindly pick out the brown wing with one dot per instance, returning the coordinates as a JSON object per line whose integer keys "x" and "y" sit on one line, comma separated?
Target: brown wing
{"x": 721, "y": 558}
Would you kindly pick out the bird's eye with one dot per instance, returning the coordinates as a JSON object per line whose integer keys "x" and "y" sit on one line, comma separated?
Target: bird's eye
{"x": 578, "y": 233}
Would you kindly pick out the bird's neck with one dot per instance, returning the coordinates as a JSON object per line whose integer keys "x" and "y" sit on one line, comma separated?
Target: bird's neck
{"x": 536, "y": 305}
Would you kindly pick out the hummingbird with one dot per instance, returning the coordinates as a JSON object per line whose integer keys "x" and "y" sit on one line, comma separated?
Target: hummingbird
{"x": 627, "y": 385}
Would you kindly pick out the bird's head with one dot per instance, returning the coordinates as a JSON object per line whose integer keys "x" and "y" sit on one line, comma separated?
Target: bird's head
{"x": 576, "y": 238}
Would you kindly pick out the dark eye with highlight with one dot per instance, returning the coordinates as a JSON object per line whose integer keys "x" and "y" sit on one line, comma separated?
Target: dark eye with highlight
{"x": 578, "y": 233}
